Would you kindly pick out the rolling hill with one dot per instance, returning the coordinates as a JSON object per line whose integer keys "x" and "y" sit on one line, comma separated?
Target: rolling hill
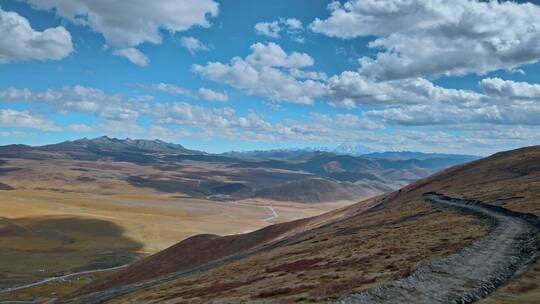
{"x": 153, "y": 194}
{"x": 172, "y": 168}
{"x": 466, "y": 233}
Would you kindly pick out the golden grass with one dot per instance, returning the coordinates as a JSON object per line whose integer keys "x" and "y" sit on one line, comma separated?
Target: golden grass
{"x": 147, "y": 221}
{"x": 372, "y": 248}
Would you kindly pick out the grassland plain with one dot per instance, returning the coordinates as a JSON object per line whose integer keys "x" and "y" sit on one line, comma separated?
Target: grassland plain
{"x": 62, "y": 216}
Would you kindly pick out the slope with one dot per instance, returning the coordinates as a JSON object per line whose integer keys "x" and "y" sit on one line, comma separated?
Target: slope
{"x": 366, "y": 245}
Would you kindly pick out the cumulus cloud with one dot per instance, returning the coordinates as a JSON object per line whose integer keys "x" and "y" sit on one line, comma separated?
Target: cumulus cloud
{"x": 272, "y": 73}
{"x": 21, "y": 42}
{"x": 269, "y": 29}
{"x": 185, "y": 114}
{"x": 272, "y": 55}
{"x": 267, "y": 72}
{"x": 168, "y": 88}
{"x": 126, "y": 24}
{"x": 133, "y": 55}
{"x": 77, "y": 99}
{"x": 208, "y": 94}
{"x": 427, "y": 115}
{"x": 301, "y": 74}
{"x": 351, "y": 89}
{"x": 193, "y": 45}
{"x": 503, "y": 102}
{"x": 213, "y": 122}
{"x": 424, "y": 37}
{"x": 292, "y": 26}
{"x": 172, "y": 89}
{"x": 163, "y": 133}
{"x": 25, "y": 119}
{"x": 510, "y": 89}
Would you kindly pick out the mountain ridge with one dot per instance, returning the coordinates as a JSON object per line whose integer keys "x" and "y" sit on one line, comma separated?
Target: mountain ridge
{"x": 240, "y": 178}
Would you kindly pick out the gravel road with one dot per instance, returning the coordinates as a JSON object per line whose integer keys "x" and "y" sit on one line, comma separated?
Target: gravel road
{"x": 473, "y": 272}
{"x": 59, "y": 278}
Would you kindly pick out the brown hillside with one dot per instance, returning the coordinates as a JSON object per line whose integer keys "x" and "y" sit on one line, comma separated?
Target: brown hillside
{"x": 318, "y": 190}
{"x": 201, "y": 249}
{"x": 352, "y": 249}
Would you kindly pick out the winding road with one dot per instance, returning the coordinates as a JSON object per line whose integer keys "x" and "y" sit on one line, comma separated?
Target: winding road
{"x": 473, "y": 272}
{"x": 59, "y": 278}
{"x": 274, "y": 215}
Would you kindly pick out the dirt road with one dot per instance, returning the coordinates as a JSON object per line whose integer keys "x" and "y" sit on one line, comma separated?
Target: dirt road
{"x": 473, "y": 272}
{"x": 59, "y": 278}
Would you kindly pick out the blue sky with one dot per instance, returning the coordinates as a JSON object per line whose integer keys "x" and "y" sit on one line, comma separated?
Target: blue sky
{"x": 243, "y": 75}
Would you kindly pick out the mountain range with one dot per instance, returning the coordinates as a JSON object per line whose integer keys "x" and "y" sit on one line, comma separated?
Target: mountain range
{"x": 289, "y": 175}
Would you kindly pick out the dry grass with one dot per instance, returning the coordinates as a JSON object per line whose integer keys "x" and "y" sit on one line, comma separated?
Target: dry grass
{"x": 370, "y": 248}
{"x": 331, "y": 261}
{"x": 51, "y": 193}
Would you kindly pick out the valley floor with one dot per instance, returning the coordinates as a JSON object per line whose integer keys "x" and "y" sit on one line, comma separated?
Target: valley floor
{"x": 54, "y": 233}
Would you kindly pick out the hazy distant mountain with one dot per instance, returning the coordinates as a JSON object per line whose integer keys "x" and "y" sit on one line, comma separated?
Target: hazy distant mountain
{"x": 291, "y": 154}
{"x": 132, "y": 150}
{"x": 352, "y": 149}
{"x": 304, "y": 175}
{"x": 283, "y": 154}
{"x": 404, "y": 155}
{"x": 344, "y": 149}
{"x": 106, "y": 143}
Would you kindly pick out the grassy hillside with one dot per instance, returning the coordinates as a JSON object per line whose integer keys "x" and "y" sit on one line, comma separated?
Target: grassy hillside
{"x": 355, "y": 248}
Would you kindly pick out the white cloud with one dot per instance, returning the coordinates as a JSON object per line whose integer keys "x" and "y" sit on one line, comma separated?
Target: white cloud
{"x": 126, "y": 24}
{"x": 272, "y": 55}
{"x": 458, "y": 117}
{"x": 25, "y": 119}
{"x": 192, "y": 44}
{"x": 80, "y": 128}
{"x": 351, "y": 89}
{"x": 208, "y": 94}
{"x": 296, "y": 73}
{"x": 133, "y": 55}
{"x": 172, "y": 89}
{"x": 185, "y": 114}
{"x": 266, "y": 72}
{"x": 510, "y": 89}
{"x": 77, "y": 99}
{"x": 293, "y": 27}
{"x": 272, "y": 73}
{"x": 20, "y": 42}
{"x": 294, "y": 24}
{"x": 503, "y": 102}
{"x": 168, "y": 88}
{"x": 437, "y": 37}
{"x": 269, "y": 29}
{"x": 210, "y": 122}
{"x": 168, "y": 134}
{"x": 354, "y": 122}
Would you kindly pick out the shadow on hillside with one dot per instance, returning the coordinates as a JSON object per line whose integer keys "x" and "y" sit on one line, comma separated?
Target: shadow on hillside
{"x": 40, "y": 247}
